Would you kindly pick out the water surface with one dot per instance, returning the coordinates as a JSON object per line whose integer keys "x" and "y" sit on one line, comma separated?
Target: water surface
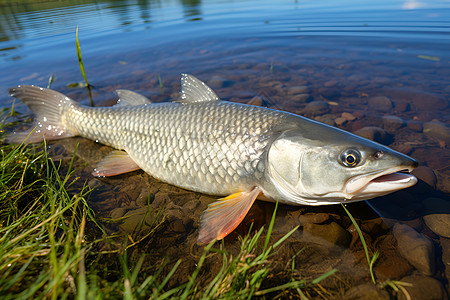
{"x": 287, "y": 54}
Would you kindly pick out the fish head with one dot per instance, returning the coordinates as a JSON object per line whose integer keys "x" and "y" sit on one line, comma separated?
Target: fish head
{"x": 334, "y": 166}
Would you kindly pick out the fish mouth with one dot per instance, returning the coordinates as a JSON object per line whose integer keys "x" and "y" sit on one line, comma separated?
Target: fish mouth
{"x": 379, "y": 183}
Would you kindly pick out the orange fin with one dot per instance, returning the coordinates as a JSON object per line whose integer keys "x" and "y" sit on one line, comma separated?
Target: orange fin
{"x": 224, "y": 215}
{"x": 117, "y": 162}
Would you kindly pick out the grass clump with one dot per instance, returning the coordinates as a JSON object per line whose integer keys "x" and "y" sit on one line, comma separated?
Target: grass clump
{"x": 46, "y": 250}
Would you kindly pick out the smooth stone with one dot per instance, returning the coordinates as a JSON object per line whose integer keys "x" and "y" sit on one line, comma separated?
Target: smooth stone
{"x": 314, "y": 218}
{"x": 404, "y": 148}
{"x": 437, "y": 130}
{"x": 348, "y": 116}
{"x": 415, "y": 248}
{"x": 257, "y": 101}
{"x": 415, "y": 125}
{"x": 373, "y": 133}
{"x": 423, "y": 288}
{"x": 328, "y": 233}
{"x": 437, "y": 216}
{"x": 329, "y": 93}
{"x": 327, "y": 119}
{"x": 445, "y": 245}
{"x": 301, "y": 98}
{"x": 419, "y": 100}
{"x": 317, "y": 107}
{"x": 380, "y": 104}
{"x": 118, "y": 212}
{"x": 425, "y": 174}
{"x": 340, "y": 121}
{"x": 366, "y": 291}
{"x": 301, "y": 89}
{"x": 331, "y": 83}
{"x": 392, "y": 123}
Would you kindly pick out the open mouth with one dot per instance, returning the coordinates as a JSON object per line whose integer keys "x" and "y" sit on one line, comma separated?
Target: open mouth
{"x": 380, "y": 183}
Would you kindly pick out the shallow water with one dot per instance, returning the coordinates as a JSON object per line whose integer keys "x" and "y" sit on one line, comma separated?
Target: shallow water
{"x": 369, "y": 61}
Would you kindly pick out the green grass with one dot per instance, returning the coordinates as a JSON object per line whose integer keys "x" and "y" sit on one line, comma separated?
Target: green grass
{"x": 370, "y": 259}
{"x": 50, "y": 246}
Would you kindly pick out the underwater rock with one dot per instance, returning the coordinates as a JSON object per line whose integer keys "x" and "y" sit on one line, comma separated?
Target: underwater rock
{"x": 392, "y": 123}
{"x": 366, "y": 291}
{"x": 340, "y": 121}
{"x": 437, "y": 216}
{"x": 415, "y": 248}
{"x": 415, "y": 125}
{"x": 328, "y": 233}
{"x": 373, "y": 133}
{"x": 294, "y": 90}
{"x": 423, "y": 288}
{"x": 327, "y": 119}
{"x": 317, "y": 107}
{"x": 313, "y": 218}
{"x": 425, "y": 174}
{"x": 380, "y": 104}
{"x": 301, "y": 98}
{"x": 437, "y": 130}
{"x": 348, "y": 116}
{"x": 257, "y": 101}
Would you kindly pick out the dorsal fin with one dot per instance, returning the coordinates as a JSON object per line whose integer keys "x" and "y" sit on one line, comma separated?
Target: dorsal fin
{"x": 194, "y": 90}
{"x": 130, "y": 98}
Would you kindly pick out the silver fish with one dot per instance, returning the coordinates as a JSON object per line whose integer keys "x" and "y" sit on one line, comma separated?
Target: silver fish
{"x": 221, "y": 148}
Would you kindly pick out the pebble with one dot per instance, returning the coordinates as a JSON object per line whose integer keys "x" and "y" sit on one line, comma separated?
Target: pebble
{"x": 301, "y": 98}
{"x": 314, "y": 218}
{"x": 415, "y": 125}
{"x": 327, "y": 119}
{"x": 437, "y": 216}
{"x": 415, "y": 248}
{"x": 425, "y": 174}
{"x": 340, "y": 121}
{"x": 329, "y": 93}
{"x": 366, "y": 291}
{"x": 118, "y": 212}
{"x": 348, "y": 116}
{"x": 328, "y": 233}
{"x": 392, "y": 123}
{"x": 301, "y": 89}
{"x": 331, "y": 83}
{"x": 437, "y": 130}
{"x": 257, "y": 101}
{"x": 374, "y": 133}
{"x": 317, "y": 107}
{"x": 445, "y": 245}
{"x": 423, "y": 288}
{"x": 380, "y": 104}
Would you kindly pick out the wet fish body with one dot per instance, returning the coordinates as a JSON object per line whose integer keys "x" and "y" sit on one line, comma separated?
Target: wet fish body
{"x": 221, "y": 148}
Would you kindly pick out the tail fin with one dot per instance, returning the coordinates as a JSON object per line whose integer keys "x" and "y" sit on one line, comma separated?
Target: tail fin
{"x": 48, "y": 106}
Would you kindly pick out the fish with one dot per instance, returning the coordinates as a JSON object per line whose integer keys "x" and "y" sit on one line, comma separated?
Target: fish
{"x": 235, "y": 151}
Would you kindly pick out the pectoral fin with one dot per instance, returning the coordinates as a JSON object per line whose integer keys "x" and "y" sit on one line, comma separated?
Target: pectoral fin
{"x": 224, "y": 215}
{"x": 117, "y": 162}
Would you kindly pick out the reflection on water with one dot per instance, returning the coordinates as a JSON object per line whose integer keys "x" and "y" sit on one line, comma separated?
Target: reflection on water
{"x": 379, "y": 69}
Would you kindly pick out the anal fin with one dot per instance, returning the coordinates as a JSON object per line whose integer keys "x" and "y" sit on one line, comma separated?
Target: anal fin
{"x": 117, "y": 162}
{"x": 224, "y": 215}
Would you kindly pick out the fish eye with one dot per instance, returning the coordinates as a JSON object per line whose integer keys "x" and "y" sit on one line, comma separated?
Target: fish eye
{"x": 350, "y": 158}
{"x": 378, "y": 154}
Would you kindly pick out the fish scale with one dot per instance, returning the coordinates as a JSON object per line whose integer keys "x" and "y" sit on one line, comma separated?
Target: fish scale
{"x": 212, "y": 148}
{"x": 203, "y": 144}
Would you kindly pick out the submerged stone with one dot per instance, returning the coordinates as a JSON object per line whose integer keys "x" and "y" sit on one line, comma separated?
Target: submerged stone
{"x": 415, "y": 248}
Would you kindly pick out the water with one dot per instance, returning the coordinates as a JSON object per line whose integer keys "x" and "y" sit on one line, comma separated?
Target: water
{"x": 346, "y": 53}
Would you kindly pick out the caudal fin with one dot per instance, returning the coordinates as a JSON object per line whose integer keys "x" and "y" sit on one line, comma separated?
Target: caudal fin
{"x": 48, "y": 106}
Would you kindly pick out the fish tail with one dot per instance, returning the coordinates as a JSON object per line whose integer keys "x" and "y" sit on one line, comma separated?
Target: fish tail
{"x": 49, "y": 107}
